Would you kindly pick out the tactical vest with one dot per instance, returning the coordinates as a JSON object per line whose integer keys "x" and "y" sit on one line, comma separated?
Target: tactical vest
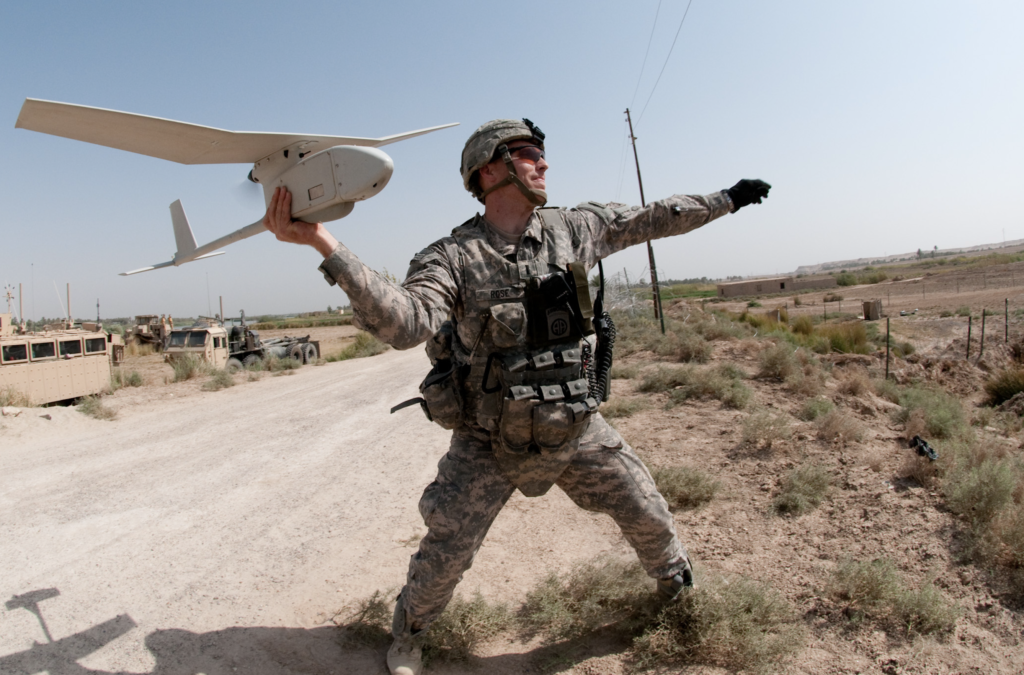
{"x": 533, "y": 400}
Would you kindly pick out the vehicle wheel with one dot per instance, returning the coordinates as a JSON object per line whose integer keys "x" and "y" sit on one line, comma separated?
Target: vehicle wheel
{"x": 309, "y": 354}
{"x": 233, "y": 365}
{"x": 252, "y": 362}
{"x": 295, "y": 352}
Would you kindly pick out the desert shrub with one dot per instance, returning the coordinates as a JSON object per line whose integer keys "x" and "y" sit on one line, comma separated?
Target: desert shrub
{"x": 94, "y": 407}
{"x": 838, "y": 426}
{"x": 963, "y": 310}
{"x": 9, "y": 396}
{"x": 635, "y": 334}
{"x": 133, "y": 348}
{"x": 463, "y": 625}
{"x": 1004, "y": 385}
{"x": 855, "y": 383}
{"x": 719, "y": 326}
{"x": 803, "y": 325}
{"x": 945, "y": 314}
{"x": 623, "y": 407}
{"x": 875, "y": 589}
{"x": 943, "y": 415}
{"x": 188, "y": 366}
{"x": 686, "y": 382}
{"x": 797, "y": 301}
{"x": 753, "y": 303}
{"x": 777, "y": 362}
{"x": 886, "y": 389}
{"x": 903, "y": 349}
{"x": 762, "y": 429}
{"x": 276, "y": 364}
{"x": 849, "y": 337}
{"x": 832, "y": 297}
{"x": 624, "y": 371}
{"x": 814, "y": 408}
{"x": 221, "y": 379}
{"x": 978, "y": 493}
{"x": 846, "y": 279}
{"x": 685, "y": 487}
{"x": 364, "y": 345}
{"x": 130, "y": 379}
{"x": 689, "y": 347}
{"x": 736, "y": 624}
{"x": 589, "y": 597}
{"x": 803, "y": 489}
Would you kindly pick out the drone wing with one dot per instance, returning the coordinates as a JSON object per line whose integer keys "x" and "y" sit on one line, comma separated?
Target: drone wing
{"x": 175, "y": 141}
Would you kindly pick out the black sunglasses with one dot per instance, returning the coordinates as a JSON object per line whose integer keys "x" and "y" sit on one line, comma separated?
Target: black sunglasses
{"x": 530, "y": 153}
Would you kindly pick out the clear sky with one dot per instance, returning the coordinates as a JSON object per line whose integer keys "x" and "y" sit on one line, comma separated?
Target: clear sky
{"x": 883, "y": 126}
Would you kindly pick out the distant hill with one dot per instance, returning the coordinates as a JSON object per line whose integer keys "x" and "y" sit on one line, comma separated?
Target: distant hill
{"x": 821, "y": 268}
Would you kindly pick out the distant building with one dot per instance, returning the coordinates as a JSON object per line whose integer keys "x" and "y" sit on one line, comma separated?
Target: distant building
{"x": 774, "y": 285}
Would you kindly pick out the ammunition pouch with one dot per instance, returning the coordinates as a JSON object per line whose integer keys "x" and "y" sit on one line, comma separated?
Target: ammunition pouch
{"x": 441, "y": 391}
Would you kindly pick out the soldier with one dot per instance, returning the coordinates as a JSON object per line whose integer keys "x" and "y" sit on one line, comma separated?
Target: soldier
{"x": 504, "y": 308}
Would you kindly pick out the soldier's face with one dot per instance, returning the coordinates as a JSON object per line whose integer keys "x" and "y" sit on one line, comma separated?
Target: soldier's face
{"x": 530, "y": 169}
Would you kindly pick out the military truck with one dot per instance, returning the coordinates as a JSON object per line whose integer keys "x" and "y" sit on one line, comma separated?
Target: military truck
{"x": 236, "y": 347}
{"x": 149, "y": 329}
{"x": 57, "y": 365}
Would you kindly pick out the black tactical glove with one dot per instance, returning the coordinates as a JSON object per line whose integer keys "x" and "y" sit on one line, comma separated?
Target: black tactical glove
{"x": 748, "y": 191}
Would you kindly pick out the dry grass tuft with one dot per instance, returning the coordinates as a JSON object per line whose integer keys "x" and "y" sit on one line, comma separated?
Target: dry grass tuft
{"x": 803, "y": 489}
{"x": 737, "y": 624}
{"x": 623, "y": 407}
{"x": 1004, "y": 385}
{"x": 762, "y": 429}
{"x": 364, "y": 345}
{"x": 221, "y": 379}
{"x": 120, "y": 378}
{"x": 839, "y": 427}
{"x": 625, "y": 371}
{"x": 188, "y": 366}
{"x": 686, "y": 382}
{"x": 777, "y": 362}
{"x": 9, "y": 396}
{"x": 94, "y": 407}
{"x": 369, "y": 623}
{"x": 463, "y": 625}
{"x": 875, "y": 589}
{"x": 855, "y": 382}
{"x": 685, "y": 487}
{"x": 814, "y": 408}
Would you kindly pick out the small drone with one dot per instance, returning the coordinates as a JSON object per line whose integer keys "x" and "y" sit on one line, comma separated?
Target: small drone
{"x": 326, "y": 175}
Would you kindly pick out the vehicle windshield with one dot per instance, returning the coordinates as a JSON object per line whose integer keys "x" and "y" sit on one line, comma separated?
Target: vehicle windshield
{"x": 196, "y": 339}
{"x": 177, "y": 339}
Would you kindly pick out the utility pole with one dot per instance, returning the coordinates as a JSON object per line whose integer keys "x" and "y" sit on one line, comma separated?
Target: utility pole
{"x": 658, "y": 313}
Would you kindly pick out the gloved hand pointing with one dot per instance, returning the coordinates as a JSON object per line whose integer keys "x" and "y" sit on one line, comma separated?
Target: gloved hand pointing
{"x": 748, "y": 191}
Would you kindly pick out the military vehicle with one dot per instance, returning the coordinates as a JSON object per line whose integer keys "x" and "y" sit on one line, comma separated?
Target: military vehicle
{"x": 57, "y": 365}
{"x": 149, "y": 329}
{"x": 236, "y": 347}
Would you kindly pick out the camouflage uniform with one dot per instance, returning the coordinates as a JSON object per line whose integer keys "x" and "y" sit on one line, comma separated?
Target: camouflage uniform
{"x": 470, "y": 277}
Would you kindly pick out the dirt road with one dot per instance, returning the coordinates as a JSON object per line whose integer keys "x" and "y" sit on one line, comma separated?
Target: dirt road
{"x": 220, "y": 532}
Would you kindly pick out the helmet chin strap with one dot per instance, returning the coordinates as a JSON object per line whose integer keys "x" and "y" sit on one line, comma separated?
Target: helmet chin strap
{"x": 534, "y": 196}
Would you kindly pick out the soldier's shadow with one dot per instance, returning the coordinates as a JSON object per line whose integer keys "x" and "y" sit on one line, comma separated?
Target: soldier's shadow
{"x": 274, "y": 651}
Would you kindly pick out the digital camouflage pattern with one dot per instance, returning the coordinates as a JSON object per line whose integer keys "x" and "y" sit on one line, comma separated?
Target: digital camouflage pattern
{"x": 476, "y": 279}
{"x": 458, "y": 507}
{"x": 480, "y": 147}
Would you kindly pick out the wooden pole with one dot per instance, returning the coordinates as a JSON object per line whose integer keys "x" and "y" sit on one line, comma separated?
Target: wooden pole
{"x": 1006, "y": 315}
{"x": 969, "y": 319}
{"x": 69, "y": 303}
{"x": 658, "y": 313}
{"x": 887, "y": 348}
{"x": 21, "y": 305}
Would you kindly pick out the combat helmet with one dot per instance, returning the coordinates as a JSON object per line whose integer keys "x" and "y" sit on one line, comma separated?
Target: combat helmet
{"x": 489, "y": 142}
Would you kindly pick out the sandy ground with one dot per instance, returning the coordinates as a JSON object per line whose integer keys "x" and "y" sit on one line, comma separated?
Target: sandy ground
{"x": 226, "y": 532}
{"x": 220, "y": 532}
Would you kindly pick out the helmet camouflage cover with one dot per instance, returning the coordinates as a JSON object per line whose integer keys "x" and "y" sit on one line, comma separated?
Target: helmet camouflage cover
{"x": 484, "y": 142}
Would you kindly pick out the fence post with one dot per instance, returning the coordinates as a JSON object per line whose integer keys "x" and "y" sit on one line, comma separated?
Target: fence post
{"x": 969, "y": 319}
{"x": 1006, "y": 315}
{"x": 887, "y": 348}
{"x": 981, "y": 349}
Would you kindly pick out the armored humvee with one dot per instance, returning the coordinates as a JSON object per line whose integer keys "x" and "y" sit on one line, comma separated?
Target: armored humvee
{"x": 149, "y": 329}
{"x": 57, "y": 365}
{"x": 236, "y": 347}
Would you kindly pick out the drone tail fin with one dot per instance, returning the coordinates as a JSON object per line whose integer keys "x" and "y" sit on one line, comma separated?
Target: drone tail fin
{"x": 183, "y": 236}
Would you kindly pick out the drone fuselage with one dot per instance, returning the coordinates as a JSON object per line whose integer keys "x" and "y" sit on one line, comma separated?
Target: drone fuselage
{"x": 324, "y": 185}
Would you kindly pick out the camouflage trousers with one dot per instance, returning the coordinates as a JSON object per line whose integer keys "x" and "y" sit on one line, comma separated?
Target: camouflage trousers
{"x": 459, "y": 506}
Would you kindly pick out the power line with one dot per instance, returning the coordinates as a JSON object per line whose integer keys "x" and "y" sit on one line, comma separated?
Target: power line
{"x": 644, "y": 65}
{"x": 666, "y": 61}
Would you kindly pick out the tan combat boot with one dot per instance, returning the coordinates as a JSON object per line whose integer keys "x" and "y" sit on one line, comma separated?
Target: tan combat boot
{"x": 405, "y": 656}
